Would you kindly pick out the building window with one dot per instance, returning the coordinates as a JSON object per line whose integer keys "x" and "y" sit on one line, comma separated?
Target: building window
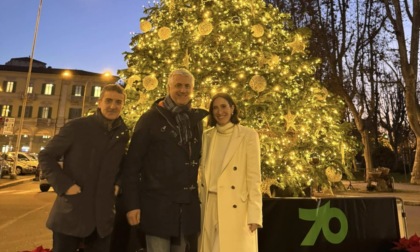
{"x": 28, "y": 111}
{"x": 44, "y": 112}
{"x": 78, "y": 91}
{"x": 6, "y": 110}
{"x": 96, "y": 91}
{"x": 48, "y": 89}
{"x": 75, "y": 113}
{"x": 9, "y": 86}
{"x": 30, "y": 88}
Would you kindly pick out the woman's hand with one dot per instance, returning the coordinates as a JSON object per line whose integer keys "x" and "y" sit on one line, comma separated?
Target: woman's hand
{"x": 253, "y": 227}
{"x": 133, "y": 217}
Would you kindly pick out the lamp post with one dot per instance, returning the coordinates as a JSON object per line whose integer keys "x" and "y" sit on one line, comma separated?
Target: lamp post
{"x": 84, "y": 98}
{"x": 25, "y": 94}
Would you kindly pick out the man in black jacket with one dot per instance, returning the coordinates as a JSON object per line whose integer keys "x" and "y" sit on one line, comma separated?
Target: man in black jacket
{"x": 92, "y": 149}
{"x": 160, "y": 171}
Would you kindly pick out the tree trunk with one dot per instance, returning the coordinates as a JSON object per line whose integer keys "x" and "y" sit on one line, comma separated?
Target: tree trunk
{"x": 415, "y": 174}
{"x": 367, "y": 153}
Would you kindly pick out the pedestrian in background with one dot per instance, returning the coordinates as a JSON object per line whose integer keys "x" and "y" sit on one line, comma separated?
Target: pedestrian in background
{"x": 92, "y": 149}
{"x": 160, "y": 172}
{"x": 230, "y": 178}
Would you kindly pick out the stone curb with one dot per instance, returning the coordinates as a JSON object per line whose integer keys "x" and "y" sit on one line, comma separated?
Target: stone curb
{"x": 15, "y": 182}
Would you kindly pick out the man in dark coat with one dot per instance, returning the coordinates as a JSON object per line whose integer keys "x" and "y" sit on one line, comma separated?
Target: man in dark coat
{"x": 92, "y": 149}
{"x": 160, "y": 171}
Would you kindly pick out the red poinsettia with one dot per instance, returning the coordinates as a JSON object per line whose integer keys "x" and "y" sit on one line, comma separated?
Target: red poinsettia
{"x": 410, "y": 245}
{"x": 39, "y": 249}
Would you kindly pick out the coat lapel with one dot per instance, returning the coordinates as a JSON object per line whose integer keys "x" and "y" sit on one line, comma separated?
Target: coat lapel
{"x": 209, "y": 141}
{"x": 237, "y": 137}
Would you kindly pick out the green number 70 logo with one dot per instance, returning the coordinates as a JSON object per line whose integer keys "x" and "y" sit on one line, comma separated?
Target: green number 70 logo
{"x": 321, "y": 217}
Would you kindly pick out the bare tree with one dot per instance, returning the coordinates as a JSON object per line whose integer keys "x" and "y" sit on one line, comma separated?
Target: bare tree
{"x": 408, "y": 50}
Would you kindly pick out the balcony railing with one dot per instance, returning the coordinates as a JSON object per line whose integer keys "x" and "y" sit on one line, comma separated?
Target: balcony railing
{"x": 30, "y": 96}
{"x": 44, "y": 122}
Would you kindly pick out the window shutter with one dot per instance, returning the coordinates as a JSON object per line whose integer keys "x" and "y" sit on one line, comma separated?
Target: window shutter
{"x": 9, "y": 114}
{"x": 40, "y": 111}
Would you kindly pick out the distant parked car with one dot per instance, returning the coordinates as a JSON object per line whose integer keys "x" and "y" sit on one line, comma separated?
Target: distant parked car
{"x": 24, "y": 165}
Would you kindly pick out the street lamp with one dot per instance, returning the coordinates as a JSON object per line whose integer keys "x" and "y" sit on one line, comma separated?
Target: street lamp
{"x": 25, "y": 94}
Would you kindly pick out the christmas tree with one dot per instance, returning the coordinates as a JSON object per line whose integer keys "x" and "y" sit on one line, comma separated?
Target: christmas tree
{"x": 251, "y": 51}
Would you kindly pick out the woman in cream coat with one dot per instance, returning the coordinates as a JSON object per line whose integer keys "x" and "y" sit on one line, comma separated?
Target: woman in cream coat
{"x": 230, "y": 177}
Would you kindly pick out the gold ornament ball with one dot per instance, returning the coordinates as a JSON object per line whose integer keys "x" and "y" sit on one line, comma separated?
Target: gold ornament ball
{"x": 132, "y": 79}
{"x": 257, "y": 30}
{"x": 258, "y": 83}
{"x": 145, "y": 26}
{"x": 150, "y": 82}
{"x": 164, "y": 33}
{"x": 333, "y": 174}
{"x": 205, "y": 28}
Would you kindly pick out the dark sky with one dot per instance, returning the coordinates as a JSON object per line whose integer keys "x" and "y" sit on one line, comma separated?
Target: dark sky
{"x": 76, "y": 34}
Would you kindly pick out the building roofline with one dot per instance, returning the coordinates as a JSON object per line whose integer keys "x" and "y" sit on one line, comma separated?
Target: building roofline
{"x": 49, "y": 70}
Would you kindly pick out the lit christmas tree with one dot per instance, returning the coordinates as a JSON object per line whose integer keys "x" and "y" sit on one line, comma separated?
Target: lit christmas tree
{"x": 252, "y": 52}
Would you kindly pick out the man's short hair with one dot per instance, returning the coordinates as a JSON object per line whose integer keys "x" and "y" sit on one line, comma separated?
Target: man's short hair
{"x": 112, "y": 87}
{"x": 183, "y": 72}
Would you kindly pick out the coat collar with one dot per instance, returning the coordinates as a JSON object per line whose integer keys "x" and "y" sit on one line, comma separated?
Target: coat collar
{"x": 236, "y": 139}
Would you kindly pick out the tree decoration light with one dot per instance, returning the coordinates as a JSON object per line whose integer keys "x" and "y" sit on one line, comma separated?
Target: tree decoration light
{"x": 259, "y": 58}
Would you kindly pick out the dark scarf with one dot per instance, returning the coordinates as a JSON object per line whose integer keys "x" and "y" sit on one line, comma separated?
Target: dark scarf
{"x": 181, "y": 117}
{"x": 109, "y": 125}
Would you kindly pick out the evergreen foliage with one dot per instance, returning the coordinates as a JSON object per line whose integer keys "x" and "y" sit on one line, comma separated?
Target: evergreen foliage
{"x": 251, "y": 51}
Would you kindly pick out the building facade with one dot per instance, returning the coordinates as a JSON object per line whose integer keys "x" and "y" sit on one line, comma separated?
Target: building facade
{"x": 52, "y": 96}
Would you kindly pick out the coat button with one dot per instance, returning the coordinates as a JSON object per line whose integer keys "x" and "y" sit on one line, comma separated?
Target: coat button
{"x": 235, "y": 168}
{"x": 235, "y": 206}
{"x": 233, "y": 187}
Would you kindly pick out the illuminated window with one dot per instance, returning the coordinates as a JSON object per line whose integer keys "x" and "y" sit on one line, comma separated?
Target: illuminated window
{"x": 9, "y": 86}
{"x": 6, "y": 110}
{"x": 30, "y": 88}
{"x": 48, "y": 89}
{"x": 78, "y": 90}
{"x": 96, "y": 91}
{"x": 44, "y": 112}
